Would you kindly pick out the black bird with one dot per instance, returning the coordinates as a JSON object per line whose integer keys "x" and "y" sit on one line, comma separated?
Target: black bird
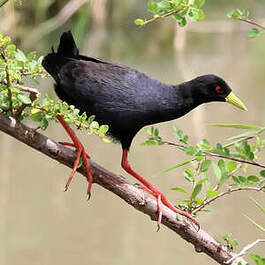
{"x": 126, "y": 100}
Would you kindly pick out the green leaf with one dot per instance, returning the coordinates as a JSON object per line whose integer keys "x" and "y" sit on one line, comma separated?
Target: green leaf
{"x": 231, "y": 166}
{"x": 43, "y": 123}
{"x": 90, "y": 119}
{"x": 256, "y": 224}
{"x": 253, "y": 178}
{"x": 258, "y": 205}
{"x": 24, "y": 98}
{"x": 201, "y": 15}
{"x": 236, "y": 126}
{"x": 179, "y": 190}
{"x": 235, "y": 14}
{"x": 152, "y": 7}
{"x": 221, "y": 165}
{"x": 257, "y": 259}
{"x": 242, "y": 179}
{"x": 199, "y": 3}
{"x": 262, "y": 173}
{"x": 217, "y": 171}
{"x": 21, "y": 56}
{"x": 236, "y": 180}
{"x": 188, "y": 174}
{"x": 212, "y": 193}
{"x": 139, "y": 22}
{"x": 104, "y": 128}
{"x": 253, "y": 33}
{"x": 205, "y": 144}
{"x": 94, "y": 125}
{"x": 176, "y": 166}
{"x": 242, "y": 135}
{"x": 205, "y": 165}
{"x": 197, "y": 189}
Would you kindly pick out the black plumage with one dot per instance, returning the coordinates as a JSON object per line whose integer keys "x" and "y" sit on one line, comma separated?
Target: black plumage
{"x": 125, "y": 98}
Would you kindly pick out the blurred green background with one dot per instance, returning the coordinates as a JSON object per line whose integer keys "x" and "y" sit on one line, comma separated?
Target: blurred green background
{"x": 39, "y": 223}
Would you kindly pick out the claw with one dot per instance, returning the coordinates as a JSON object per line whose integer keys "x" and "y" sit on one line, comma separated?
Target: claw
{"x": 88, "y": 196}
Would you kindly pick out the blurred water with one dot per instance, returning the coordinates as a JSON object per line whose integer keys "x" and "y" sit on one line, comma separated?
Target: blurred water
{"x": 40, "y": 224}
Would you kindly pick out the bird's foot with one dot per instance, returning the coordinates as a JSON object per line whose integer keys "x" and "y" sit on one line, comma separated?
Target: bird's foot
{"x": 161, "y": 198}
{"x": 80, "y": 150}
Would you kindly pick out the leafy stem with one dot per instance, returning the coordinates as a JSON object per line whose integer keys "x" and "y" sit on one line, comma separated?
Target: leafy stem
{"x": 229, "y": 191}
{"x": 155, "y": 18}
{"x": 253, "y": 23}
{"x": 217, "y": 155}
{"x": 8, "y": 82}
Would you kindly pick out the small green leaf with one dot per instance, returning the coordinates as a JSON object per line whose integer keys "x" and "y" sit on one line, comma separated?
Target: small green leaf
{"x": 253, "y": 33}
{"x": 94, "y": 125}
{"x": 258, "y": 205}
{"x": 256, "y": 224}
{"x": 236, "y": 180}
{"x": 21, "y": 56}
{"x": 179, "y": 190}
{"x": 104, "y": 128}
{"x": 152, "y": 7}
{"x": 205, "y": 165}
{"x": 242, "y": 135}
{"x": 212, "y": 193}
{"x": 231, "y": 166}
{"x": 176, "y": 166}
{"x": 262, "y": 173}
{"x": 235, "y": 14}
{"x": 43, "y": 123}
{"x": 242, "y": 179}
{"x": 139, "y": 22}
{"x": 217, "y": 171}
{"x": 24, "y": 98}
{"x": 253, "y": 178}
{"x": 205, "y": 144}
{"x": 197, "y": 189}
{"x": 188, "y": 174}
{"x": 236, "y": 126}
{"x": 201, "y": 15}
{"x": 221, "y": 165}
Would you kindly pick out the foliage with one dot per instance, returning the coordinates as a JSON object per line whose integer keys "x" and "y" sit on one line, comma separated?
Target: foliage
{"x": 245, "y": 17}
{"x": 179, "y": 10}
{"x": 20, "y": 101}
{"x": 230, "y": 242}
{"x": 228, "y": 163}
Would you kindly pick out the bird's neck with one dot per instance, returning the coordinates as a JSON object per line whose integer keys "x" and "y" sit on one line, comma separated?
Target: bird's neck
{"x": 186, "y": 98}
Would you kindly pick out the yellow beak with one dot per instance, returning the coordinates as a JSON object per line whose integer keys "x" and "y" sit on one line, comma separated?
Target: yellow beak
{"x": 234, "y": 100}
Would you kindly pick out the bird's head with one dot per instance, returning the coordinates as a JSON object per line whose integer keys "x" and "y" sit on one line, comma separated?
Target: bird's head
{"x": 214, "y": 88}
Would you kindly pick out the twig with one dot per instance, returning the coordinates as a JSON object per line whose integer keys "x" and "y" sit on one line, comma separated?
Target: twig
{"x": 252, "y": 23}
{"x": 244, "y": 250}
{"x": 219, "y": 156}
{"x": 3, "y": 2}
{"x": 161, "y": 17}
{"x": 229, "y": 191}
{"x": 117, "y": 184}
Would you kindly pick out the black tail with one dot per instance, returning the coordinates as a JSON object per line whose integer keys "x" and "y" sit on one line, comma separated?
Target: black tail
{"x": 66, "y": 51}
{"x": 67, "y": 46}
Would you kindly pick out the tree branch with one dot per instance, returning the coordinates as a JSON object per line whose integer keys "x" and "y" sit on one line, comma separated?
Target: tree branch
{"x": 118, "y": 185}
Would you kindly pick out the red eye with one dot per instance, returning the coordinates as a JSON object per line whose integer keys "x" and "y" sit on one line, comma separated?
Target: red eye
{"x": 219, "y": 90}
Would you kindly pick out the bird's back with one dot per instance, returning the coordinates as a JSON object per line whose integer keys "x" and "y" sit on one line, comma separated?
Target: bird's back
{"x": 118, "y": 95}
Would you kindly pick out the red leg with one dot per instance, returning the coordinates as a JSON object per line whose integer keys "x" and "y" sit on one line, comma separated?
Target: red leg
{"x": 80, "y": 153}
{"x": 154, "y": 191}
